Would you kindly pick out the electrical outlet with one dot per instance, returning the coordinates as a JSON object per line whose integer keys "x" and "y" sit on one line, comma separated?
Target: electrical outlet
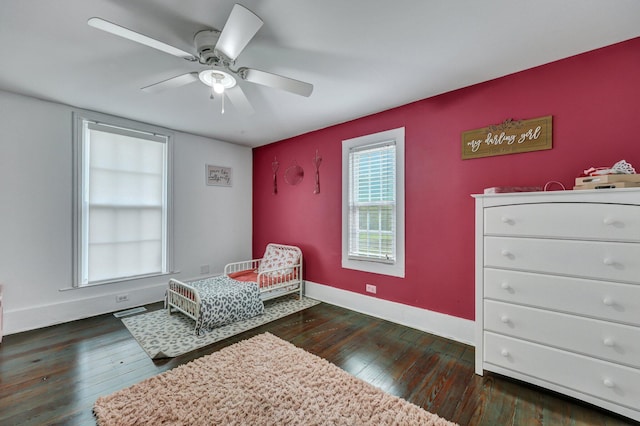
{"x": 122, "y": 298}
{"x": 370, "y": 288}
{"x": 204, "y": 269}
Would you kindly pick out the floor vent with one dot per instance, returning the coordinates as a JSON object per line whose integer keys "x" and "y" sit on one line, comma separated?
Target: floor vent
{"x": 129, "y": 312}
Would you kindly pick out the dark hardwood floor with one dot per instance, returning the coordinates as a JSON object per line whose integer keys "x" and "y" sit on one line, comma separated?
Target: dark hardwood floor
{"x": 54, "y": 375}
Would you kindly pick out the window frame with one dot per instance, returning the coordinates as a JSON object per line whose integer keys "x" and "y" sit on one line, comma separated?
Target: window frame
{"x": 125, "y": 127}
{"x": 378, "y": 266}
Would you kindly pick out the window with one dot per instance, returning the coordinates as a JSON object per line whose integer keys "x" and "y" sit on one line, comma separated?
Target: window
{"x": 122, "y": 215}
{"x": 373, "y": 203}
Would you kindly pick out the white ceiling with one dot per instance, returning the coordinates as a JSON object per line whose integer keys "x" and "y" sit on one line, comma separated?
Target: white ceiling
{"x": 362, "y": 56}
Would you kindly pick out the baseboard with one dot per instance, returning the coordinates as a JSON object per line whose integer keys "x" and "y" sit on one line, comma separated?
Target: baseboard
{"x": 34, "y": 317}
{"x": 450, "y": 327}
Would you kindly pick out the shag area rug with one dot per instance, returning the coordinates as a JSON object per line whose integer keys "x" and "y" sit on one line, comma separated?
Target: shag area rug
{"x": 165, "y": 336}
{"x": 260, "y": 381}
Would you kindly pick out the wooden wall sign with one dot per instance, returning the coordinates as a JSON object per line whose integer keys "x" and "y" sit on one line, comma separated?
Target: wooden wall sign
{"x": 509, "y": 137}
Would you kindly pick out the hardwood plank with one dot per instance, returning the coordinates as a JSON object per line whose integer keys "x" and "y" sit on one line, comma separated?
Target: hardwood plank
{"x": 54, "y": 375}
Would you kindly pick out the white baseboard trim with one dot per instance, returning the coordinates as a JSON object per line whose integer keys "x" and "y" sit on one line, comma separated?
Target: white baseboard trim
{"x": 450, "y": 327}
{"x": 34, "y": 317}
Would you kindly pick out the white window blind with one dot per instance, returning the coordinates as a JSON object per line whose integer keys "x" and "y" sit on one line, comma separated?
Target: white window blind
{"x": 372, "y": 202}
{"x": 123, "y": 204}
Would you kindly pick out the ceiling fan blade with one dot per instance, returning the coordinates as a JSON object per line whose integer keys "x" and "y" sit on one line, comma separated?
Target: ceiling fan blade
{"x": 239, "y": 100}
{"x": 238, "y": 31}
{"x": 120, "y": 31}
{"x": 171, "y": 83}
{"x": 277, "y": 81}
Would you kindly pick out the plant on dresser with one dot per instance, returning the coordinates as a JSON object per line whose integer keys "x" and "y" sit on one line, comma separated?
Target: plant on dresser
{"x": 558, "y": 292}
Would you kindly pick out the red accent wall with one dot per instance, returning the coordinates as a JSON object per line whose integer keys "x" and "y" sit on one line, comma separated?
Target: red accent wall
{"x": 593, "y": 98}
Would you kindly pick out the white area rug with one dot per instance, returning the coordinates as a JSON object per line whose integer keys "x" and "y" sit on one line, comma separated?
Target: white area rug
{"x": 165, "y": 336}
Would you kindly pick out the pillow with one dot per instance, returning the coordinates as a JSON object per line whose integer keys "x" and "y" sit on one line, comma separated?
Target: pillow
{"x": 248, "y": 275}
{"x": 275, "y": 258}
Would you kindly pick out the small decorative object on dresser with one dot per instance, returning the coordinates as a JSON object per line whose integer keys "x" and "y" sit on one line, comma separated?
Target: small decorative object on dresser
{"x": 558, "y": 293}
{"x": 620, "y": 175}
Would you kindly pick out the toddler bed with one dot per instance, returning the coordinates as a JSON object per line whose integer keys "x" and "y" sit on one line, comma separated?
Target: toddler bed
{"x": 239, "y": 293}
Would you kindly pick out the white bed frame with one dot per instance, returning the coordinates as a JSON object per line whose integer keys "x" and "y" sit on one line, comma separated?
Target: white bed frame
{"x": 184, "y": 298}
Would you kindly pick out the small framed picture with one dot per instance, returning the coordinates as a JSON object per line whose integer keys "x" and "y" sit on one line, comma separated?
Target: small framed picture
{"x": 218, "y": 175}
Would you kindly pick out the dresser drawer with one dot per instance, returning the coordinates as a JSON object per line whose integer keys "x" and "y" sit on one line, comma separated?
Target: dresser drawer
{"x": 589, "y": 259}
{"x": 565, "y": 220}
{"x": 605, "y": 340}
{"x": 615, "y": 383}
{"x": 597, "y": 299}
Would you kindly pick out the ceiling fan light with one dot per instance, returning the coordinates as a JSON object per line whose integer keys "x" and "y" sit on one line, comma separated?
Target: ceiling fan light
{"x": 218, "y": 87}
{"x": 214, "y": 77}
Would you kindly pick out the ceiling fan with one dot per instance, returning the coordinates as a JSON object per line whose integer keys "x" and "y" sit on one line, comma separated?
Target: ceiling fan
{"x": 218, "y": 50}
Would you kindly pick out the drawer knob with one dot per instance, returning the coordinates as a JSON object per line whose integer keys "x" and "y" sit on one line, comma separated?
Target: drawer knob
{"x": 506, "y": 253}
{"x": 608, "y": 301}
{"x": 609, "y": 342}
{"x": 608, "y": 261}
{"x": 609, "y": 221}
{"x": 505, "y": 353}
{"x": 506, "y": 219}
{"x": 504, "y": 318}
{"x": 505, "y": 285}
{"x": 609, "y": 383}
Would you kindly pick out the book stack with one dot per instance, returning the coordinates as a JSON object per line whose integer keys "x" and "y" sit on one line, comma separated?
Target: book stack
{"x": 505, "y": 189}
{"x": 621, "y": 180}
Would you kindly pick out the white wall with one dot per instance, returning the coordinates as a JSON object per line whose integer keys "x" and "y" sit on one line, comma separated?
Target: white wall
{"x": 212, "y": 224}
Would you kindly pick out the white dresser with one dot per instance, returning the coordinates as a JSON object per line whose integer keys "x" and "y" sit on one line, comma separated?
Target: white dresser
{"x": 558, "y": 292}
